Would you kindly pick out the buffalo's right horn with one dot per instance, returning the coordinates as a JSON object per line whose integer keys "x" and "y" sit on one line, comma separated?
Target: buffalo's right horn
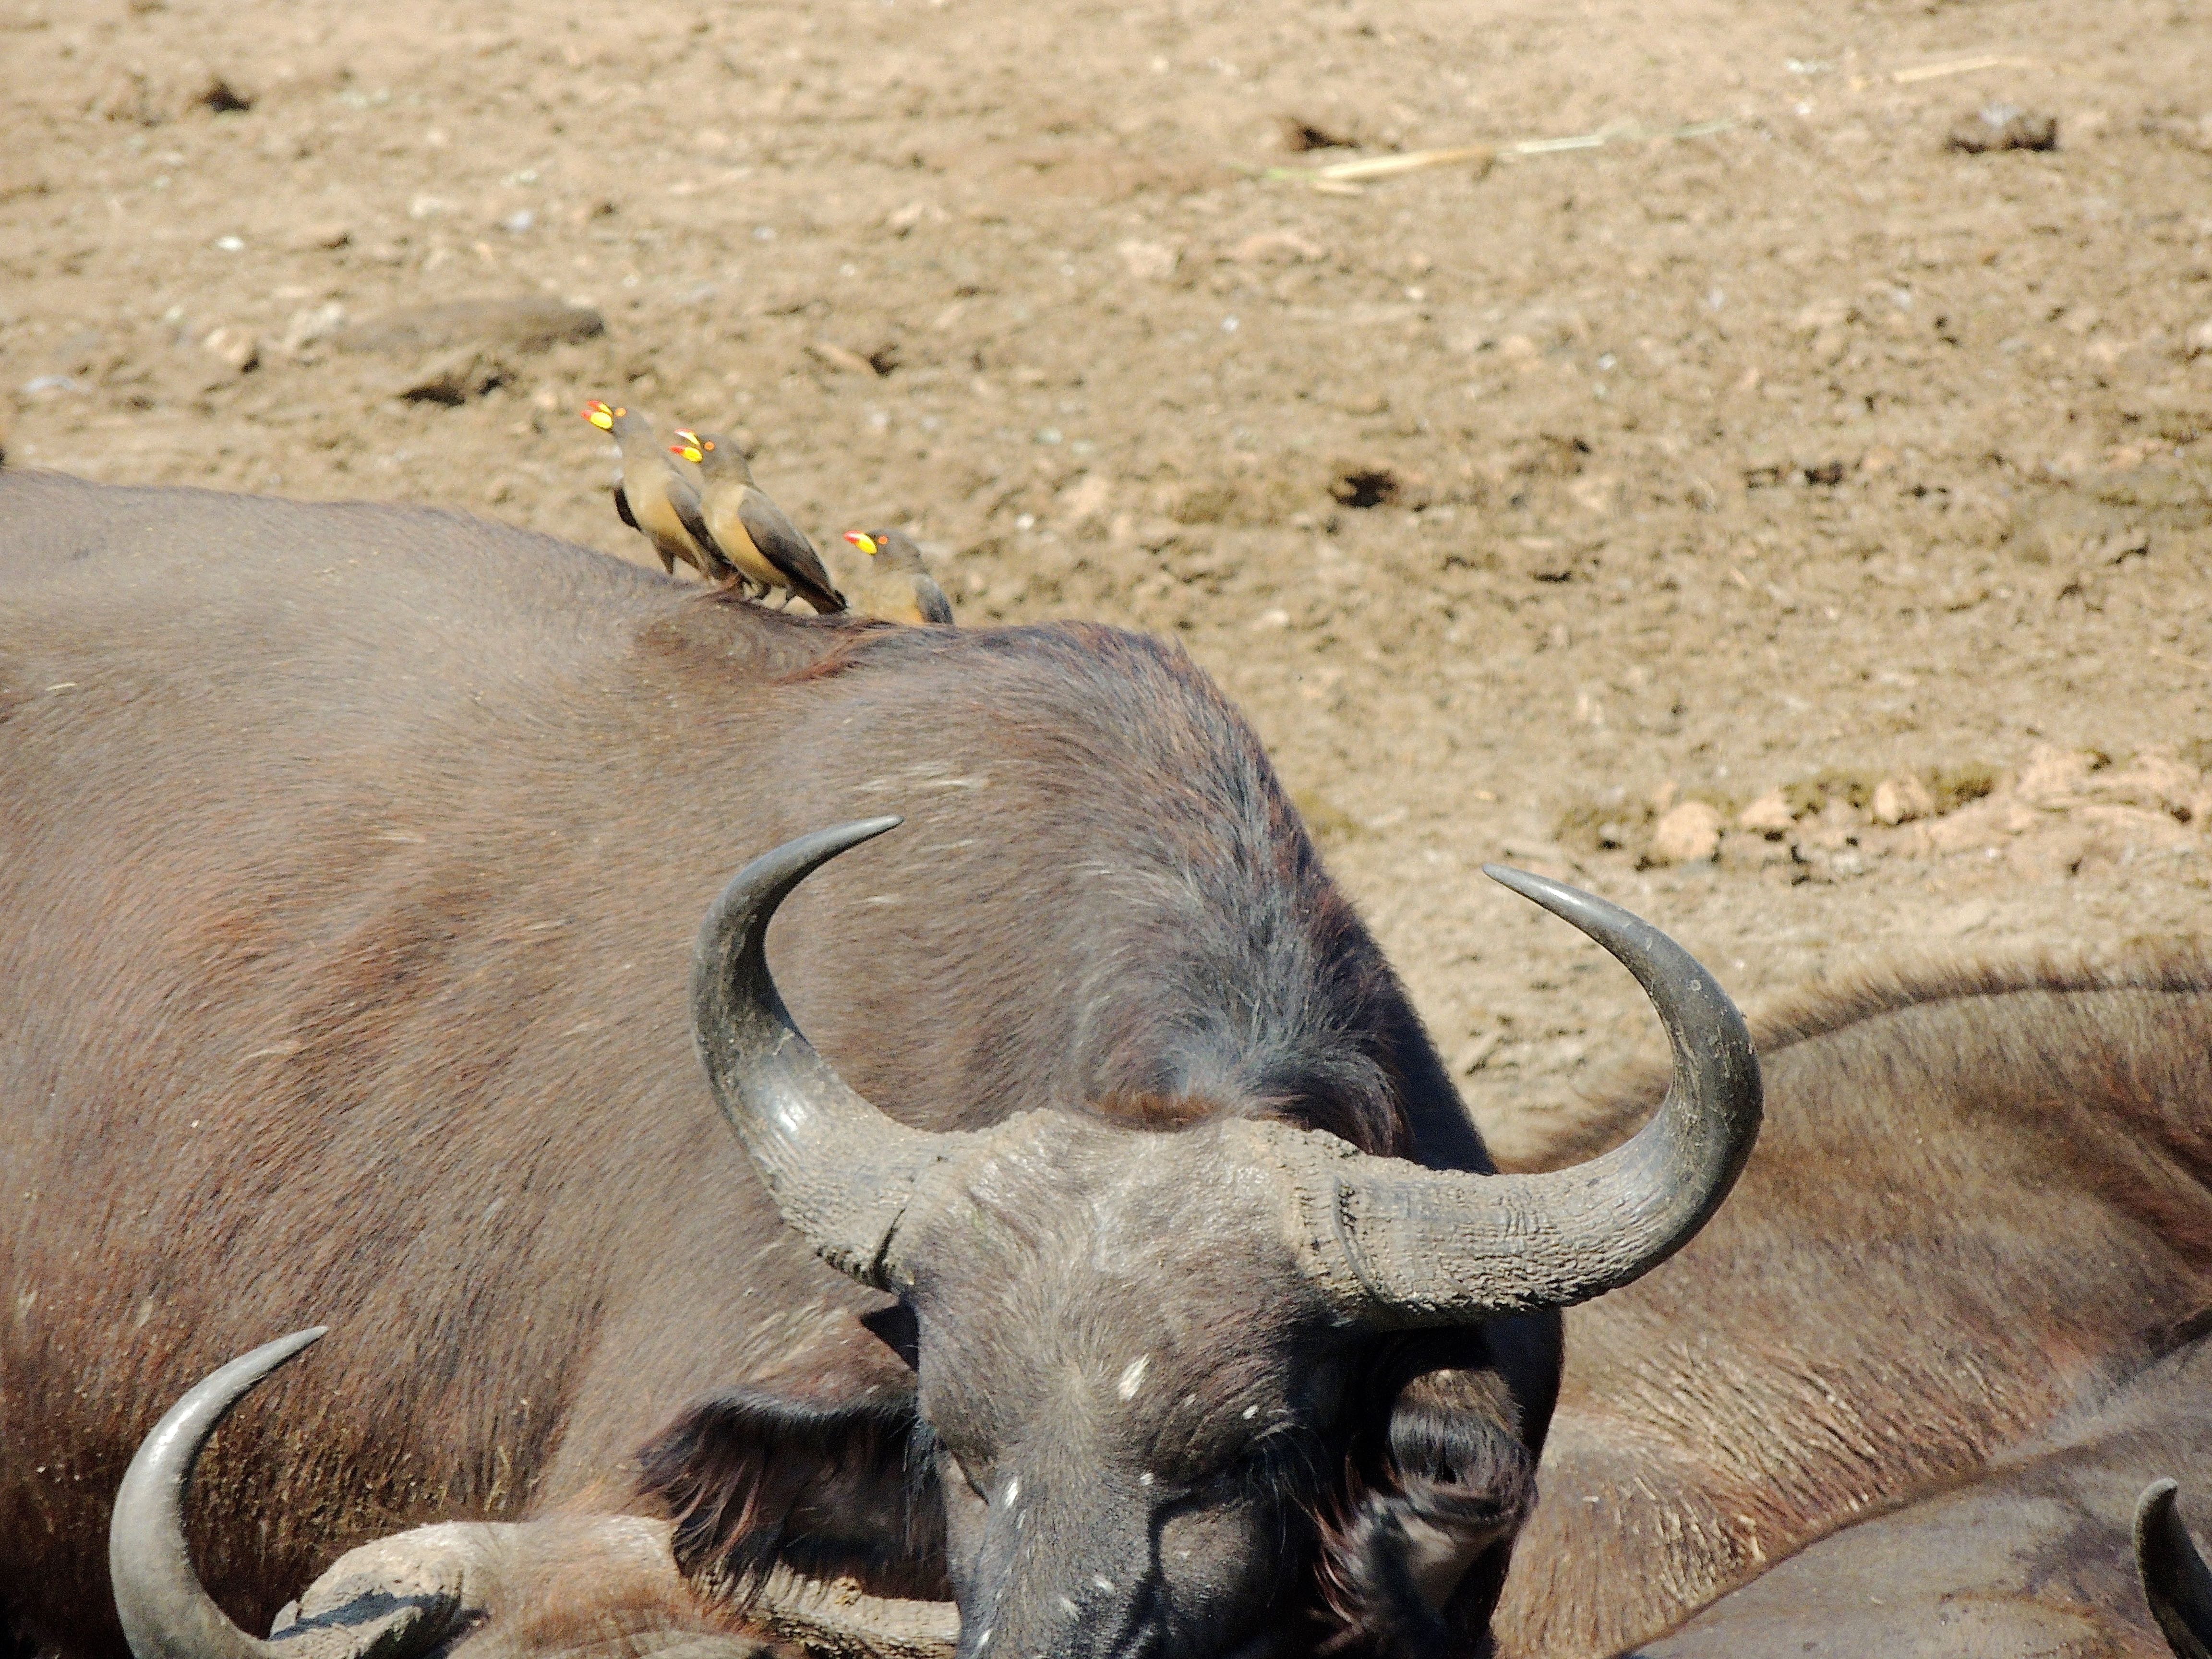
{"x": 2175, "y": 1579}
{"x": 841, "y": 1172}
{"x": 166, "y": 1613}
{"x": 417, "y": 1592}
{"x": 1393, "y": 1244}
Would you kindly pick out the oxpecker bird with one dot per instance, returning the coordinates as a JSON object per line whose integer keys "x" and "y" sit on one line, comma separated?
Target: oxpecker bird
{"x": 656, "y": 495}
{"x": 896, "y": 586}
{"x": 740, "y": 526}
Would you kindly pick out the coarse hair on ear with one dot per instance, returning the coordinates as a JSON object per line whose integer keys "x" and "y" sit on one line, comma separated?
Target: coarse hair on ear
{"x": 754, "y": 1479}
{"x": 1413, "y": 1548}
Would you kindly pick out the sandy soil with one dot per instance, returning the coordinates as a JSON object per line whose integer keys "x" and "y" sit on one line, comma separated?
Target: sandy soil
{"x": 1563, "y": 510}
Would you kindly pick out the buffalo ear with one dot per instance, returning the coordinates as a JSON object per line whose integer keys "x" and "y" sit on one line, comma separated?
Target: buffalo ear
{"x": 754, "y": 1478}
{"x": 897, "y": 1330}
{"x": 1414, "y": 1556}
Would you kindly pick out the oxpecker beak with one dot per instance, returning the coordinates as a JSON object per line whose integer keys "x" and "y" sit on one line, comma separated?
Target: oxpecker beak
{"x": 599, "y": 414}
{"x": 690, "y": 452}
{"x": 866, "y": 542}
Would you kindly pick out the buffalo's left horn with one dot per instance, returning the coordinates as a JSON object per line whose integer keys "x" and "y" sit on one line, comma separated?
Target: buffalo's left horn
{"x": 840, "y": 1171}
{"x": 166, "y": 1611}
{"x": 2175, "y": 1579}
{"x": 1395, "y": 1244}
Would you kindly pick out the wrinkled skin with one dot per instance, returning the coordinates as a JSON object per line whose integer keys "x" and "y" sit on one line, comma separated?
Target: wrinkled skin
{"x": 1116, "y": 1480}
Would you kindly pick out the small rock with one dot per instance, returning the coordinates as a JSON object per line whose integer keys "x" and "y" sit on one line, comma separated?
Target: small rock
{"x": 1088, "y": 497}
{"x": 2003, "y": 126}
{"x": 1902, "y": 800}
{"x": 1598, "y": 493}
{"x": 1688, "y": 833}
{"x": 1148, "y": 262}
{"x": 1770, "y": 815}
{"x": 310, "y": 324}
{"x": 2197, "y": 345}
{"x": 239, "y": 348}
{"x": 914, "y": 213}
{"x": 843, "y": 359}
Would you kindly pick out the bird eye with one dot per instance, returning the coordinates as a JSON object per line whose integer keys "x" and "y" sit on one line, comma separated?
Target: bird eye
{"x": 620, "y": 413}
{"x": 707, "y": 446}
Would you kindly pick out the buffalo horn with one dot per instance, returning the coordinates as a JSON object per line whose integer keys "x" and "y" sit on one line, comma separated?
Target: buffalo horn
{"x": 840, "y": 1171}
{"x": 414, "y": 1592}
{"x": 1394, "y": 1245}
{"x": 2175, "y": 1580}
{"x": 166, "y": 1613}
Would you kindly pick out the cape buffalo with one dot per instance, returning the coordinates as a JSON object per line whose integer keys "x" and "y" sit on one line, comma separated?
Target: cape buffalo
{"x": 350, "y": 851}
{"x": 1900, "y": 1395}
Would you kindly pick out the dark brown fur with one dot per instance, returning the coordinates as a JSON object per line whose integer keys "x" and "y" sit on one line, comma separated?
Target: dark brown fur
{"x": 353, "y": 857}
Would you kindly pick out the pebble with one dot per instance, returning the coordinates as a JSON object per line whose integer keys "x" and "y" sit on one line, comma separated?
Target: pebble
{"x": 1686, "y": 833}
{"x": 241, "y": 348}
{"x": 1148, "y": 262}
{"x": 1768, "y": 815}
{"x": 312, "y": 324}
{"x": 1902, "y": 800}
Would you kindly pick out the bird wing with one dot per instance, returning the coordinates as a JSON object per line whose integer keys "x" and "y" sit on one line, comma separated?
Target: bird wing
{"x": 784, "y": 545}
{"x": 622, "y": 506}
{"x": 692, "y": 516}
{"x": 935, "y": 607}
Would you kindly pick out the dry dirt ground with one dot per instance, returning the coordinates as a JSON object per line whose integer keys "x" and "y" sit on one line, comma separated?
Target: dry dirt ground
{"x": 1755, "y": 471}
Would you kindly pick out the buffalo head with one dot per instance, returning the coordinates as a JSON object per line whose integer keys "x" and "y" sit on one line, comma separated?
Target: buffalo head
{"x": 1134, "y": 1346}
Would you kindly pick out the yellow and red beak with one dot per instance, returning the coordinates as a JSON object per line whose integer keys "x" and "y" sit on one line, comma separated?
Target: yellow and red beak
{"x": 599, "y": 414}
{"x": 865, "y": 542}
{"x": 689, "y": 449}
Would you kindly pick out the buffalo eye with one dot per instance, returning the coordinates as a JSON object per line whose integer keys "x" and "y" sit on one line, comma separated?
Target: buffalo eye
{"x": 953, "y": 1461}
